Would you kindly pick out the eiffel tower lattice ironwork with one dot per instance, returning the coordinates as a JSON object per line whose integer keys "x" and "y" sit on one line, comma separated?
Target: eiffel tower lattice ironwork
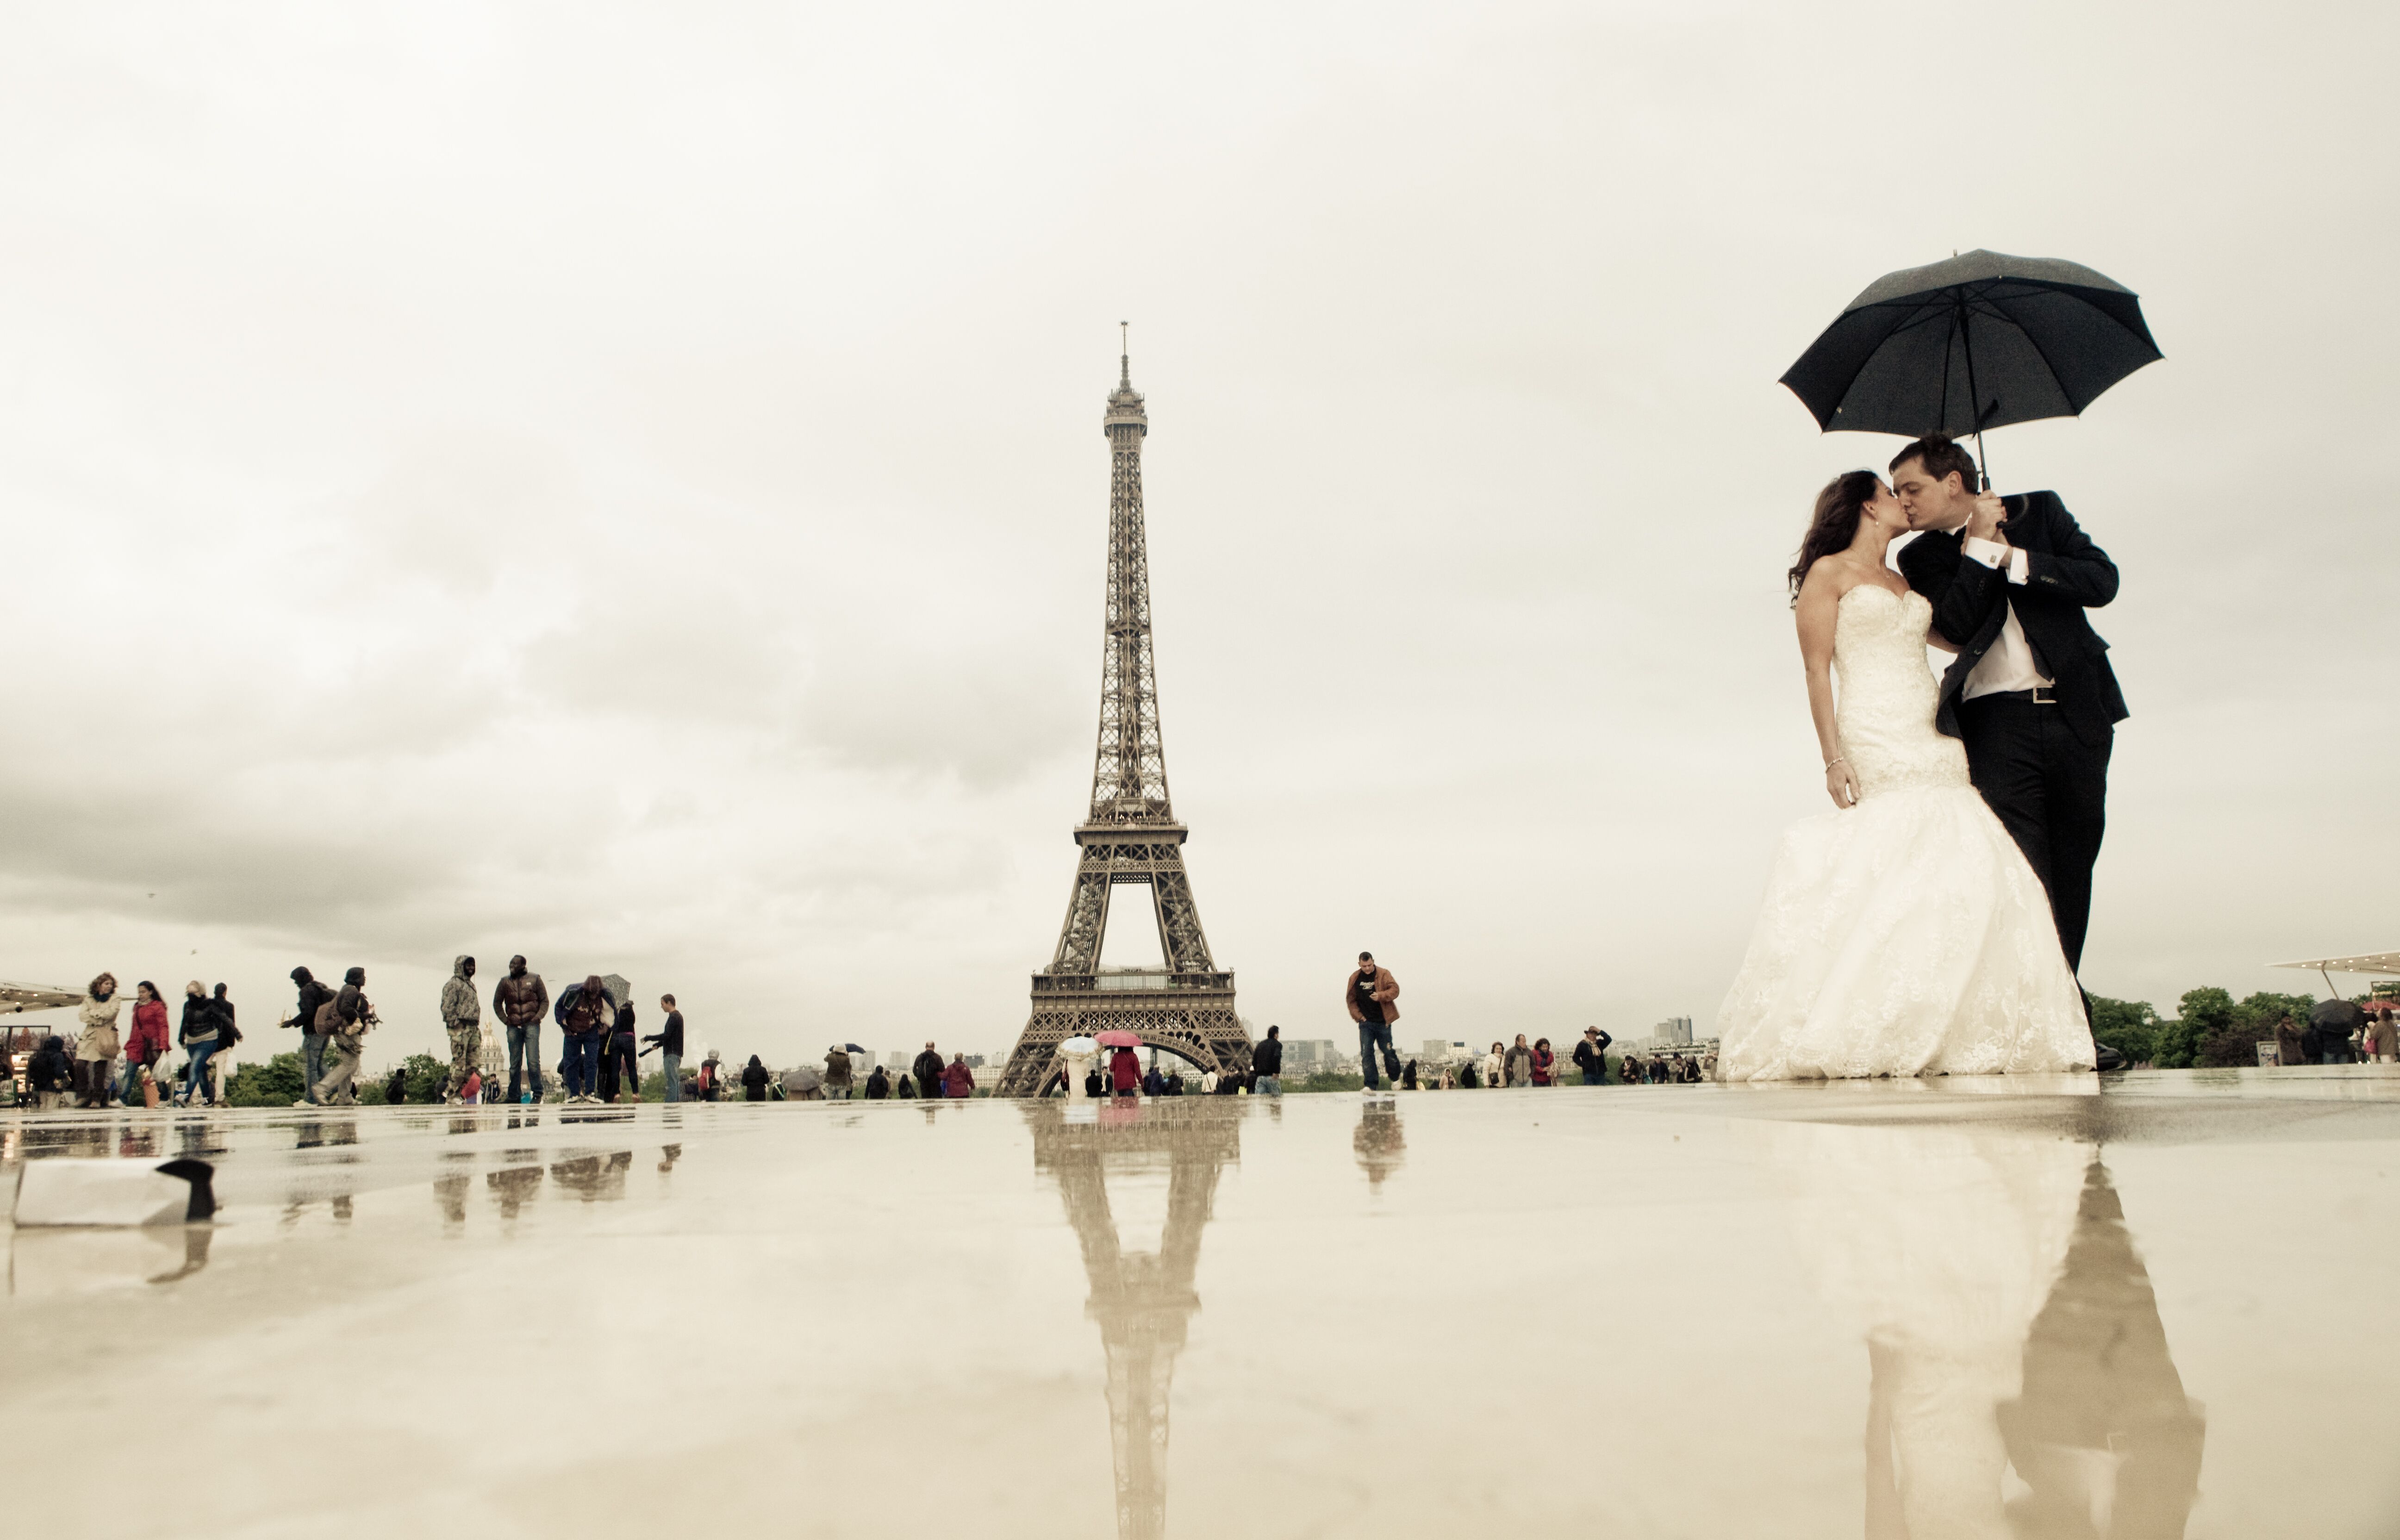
{"x": 1186, "y": 1005}
{"x": 1145, "y": 1302}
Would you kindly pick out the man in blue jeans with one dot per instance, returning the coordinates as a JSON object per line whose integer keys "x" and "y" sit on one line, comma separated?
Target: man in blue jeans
{"x": 1371, "y": 995}
{"x": 1590, "y": 1055}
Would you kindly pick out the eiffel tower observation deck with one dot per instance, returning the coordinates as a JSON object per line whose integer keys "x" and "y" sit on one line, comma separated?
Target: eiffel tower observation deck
{"x": 1131, "y": 836}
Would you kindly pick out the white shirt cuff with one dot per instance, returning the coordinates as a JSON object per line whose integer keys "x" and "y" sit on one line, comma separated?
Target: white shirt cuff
{"x": 2017, "y": 566}
{"x": 1985, "y": 551}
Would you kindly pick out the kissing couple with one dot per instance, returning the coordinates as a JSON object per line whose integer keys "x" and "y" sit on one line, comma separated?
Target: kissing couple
{"x": 1934, "y": 922}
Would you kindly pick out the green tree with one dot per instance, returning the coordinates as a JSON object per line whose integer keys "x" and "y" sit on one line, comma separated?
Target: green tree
{"x": 2129, "y": 1025}
{"x": 427, "y": 1076}
{"x": 2207, "y": 1013}
{"x": 278, "y": 1082}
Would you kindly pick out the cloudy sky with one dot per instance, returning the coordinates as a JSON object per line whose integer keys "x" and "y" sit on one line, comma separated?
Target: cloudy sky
{"x": 624, "y": 482}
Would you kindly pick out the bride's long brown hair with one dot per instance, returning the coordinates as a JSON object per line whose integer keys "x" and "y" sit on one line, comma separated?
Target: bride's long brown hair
{"x": 1835, "y": 524}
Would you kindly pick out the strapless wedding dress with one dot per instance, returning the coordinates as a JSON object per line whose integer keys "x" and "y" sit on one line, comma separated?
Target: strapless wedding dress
{"x": 1905, "y": 935}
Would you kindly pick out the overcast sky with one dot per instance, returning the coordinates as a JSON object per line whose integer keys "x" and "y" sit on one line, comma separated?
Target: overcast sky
{"x": 625, "y": 483}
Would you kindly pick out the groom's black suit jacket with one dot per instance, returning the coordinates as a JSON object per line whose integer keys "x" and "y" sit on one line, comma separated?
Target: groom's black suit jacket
{"x": 2065, "y": 574}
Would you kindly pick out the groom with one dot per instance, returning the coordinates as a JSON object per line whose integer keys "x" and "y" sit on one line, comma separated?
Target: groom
{"x": 2031, "y": 694}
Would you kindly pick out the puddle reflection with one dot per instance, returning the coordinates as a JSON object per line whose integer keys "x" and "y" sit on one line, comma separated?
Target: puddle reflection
{"x": 2019, "y": 1379}
{"x": 1144, "y": 1300}
{"x": 1381, "y": 1146}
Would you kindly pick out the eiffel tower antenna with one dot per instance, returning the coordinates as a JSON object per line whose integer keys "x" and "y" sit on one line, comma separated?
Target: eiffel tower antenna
{"x": 1130, "y": 834}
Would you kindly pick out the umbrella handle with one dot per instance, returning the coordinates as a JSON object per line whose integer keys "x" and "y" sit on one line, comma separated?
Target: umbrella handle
{"x": 1974, "y": 396}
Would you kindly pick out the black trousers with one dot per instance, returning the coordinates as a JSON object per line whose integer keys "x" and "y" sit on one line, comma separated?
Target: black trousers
{"x": 2050, "y": 790}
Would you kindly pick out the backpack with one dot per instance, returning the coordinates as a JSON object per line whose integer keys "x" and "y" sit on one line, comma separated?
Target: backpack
{"x": 329, "y": 1019}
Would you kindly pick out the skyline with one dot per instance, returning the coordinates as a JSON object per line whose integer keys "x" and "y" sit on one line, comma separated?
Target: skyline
{"x": 571, "y": 488}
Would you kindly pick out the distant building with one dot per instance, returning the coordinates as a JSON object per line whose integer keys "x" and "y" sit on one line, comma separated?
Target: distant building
{"x": 1673, "y": 1032}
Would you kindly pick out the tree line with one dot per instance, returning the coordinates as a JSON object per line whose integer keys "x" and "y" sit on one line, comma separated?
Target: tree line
{"x": 2214, "y": 1031}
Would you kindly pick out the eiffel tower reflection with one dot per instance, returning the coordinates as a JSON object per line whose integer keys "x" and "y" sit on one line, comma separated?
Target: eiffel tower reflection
{"x": 1144, "y": 1300}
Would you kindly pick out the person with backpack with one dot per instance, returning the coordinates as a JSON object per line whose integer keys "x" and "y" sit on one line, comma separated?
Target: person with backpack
{"x": 927, "y": 1068}
{"x": 1372, "y": 995}
{"x": 313, "y": 996}
{"x": 343, "y": 1021}
{"x": 520, "y": 1001}
{"x": 49, "y": 1073}
{"x": 462, "y": 1019}
{"x": 585, "y": 1014}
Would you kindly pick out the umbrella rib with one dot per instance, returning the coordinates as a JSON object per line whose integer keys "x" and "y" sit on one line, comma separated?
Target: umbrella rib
{"x": 2033, "y": 342}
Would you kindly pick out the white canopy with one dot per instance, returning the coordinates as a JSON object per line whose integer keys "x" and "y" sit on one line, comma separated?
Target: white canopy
{"x": 35, "y": 997}
{"x": 2374, "y": 964}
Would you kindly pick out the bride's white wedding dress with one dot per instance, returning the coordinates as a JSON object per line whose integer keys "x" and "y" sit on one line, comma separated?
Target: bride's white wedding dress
{"x": 1905, "y": 935}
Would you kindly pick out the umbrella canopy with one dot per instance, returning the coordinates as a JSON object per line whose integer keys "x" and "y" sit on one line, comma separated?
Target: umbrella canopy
{"x": 1118, "y": 1038}
{"x": 620, "y": 989}
{"x": 1078, "y": 1047}
{"x": 1976, "y": 342}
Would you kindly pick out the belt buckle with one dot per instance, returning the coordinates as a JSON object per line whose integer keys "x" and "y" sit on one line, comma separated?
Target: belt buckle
{"x": 2040, "y": 695}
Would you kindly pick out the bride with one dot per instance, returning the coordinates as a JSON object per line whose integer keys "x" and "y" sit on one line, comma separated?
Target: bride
{"x": 1902, "y": 933}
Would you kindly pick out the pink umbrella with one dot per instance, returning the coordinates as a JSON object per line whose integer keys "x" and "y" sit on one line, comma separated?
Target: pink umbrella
{"x": 1118, "y": 1038}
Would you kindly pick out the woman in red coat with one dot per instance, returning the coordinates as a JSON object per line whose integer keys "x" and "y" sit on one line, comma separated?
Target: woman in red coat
{"x": 958, "y": 1080}
{"x": 1125, "y": 1072}
{"x": 148, "y": 1043}
{"x": 1545, "y": 1064}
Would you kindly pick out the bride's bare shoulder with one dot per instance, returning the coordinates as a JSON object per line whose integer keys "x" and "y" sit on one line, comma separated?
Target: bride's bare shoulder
{"x": 1830, "y": 577}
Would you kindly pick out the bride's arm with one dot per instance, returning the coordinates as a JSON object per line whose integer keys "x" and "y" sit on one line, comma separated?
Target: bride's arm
{"x": 1821, "y": 597}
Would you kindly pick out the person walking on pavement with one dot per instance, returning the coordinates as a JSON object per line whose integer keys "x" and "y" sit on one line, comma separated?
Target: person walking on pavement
{"x": 463, "y": 1019}
{"x": 1546, "y": 1063}
{"x": 199, "y": 1034}
{"x": 668, "y": 1041}
{"x": 1373, "y": 996}
{"x": 1518, "y": 1063}
{"x": 148, "y": 1043}
{"x": 878, "y": 1084}
{"x": 1592, "y": 1055}
{"x": 618, "y": 1052}
{"x": 585, "y": 1015}
{"x": 96, "y": 1046}
{"x": 958, "y": 1080}
{"x": 927, "y": 1070}
{"x": 51, "y": 1073}
{"x": 1266, "y": 1063}
{"x": 836, "y": 1073}
{"x": 1125, "y": 1072}
{"x": 344, "y": 1020}
{"x": 754, "y": 1080}
{"x": 313, "y": 996}
{"x": 520, "y": 1001}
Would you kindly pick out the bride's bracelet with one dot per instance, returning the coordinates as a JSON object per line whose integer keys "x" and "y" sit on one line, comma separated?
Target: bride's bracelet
{"x": 1837, "y": 759}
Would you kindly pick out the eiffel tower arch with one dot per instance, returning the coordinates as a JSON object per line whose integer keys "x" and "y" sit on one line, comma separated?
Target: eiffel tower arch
{"x": 1131, "y": 836}
{"x": 1143, "y": 1301}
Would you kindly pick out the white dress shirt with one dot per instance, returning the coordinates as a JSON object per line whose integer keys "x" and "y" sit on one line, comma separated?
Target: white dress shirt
{"x": 2009, "y": 664}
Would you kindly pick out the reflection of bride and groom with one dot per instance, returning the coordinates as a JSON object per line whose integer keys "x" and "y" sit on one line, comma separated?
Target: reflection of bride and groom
{"x": 1933, "y": 923}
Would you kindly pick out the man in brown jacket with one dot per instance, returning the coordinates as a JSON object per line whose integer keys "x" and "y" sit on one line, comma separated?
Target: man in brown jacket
{"x": 1372, "y": 995}
{"x": 521, "y": 1002}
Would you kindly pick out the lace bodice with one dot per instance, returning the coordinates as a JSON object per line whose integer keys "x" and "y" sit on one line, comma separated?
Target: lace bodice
{"x": 1886, "y": 694}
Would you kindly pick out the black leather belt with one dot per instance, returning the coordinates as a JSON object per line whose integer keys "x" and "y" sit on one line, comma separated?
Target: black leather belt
{"x": 2039, "y": 696}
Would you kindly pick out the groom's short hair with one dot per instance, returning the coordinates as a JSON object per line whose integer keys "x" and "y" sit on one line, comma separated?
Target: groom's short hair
{"x": 1941, "y": 456}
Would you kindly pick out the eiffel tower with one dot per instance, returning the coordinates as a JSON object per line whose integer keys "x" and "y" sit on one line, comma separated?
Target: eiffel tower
{"x": 1143, "y": 1301}
{"x": 1187, "y": 1005}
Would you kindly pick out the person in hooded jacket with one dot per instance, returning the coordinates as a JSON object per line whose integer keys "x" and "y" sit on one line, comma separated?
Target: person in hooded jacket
{"x": 754, "y": 1080}
{"x": 344, "y": 1020}
{"x": 463, "y": 1019}
{"x": 1124, "y": 1071}
{"x": 585, "y": 1014}
{"x": 199, "y": 1035}
{"x": 879, "y": 1083}
{"x": 958, "y": 1080}
{"x": 520, "y": 1001}
{"x": 96, "y": 1046}
{"x": 50, "y": 1074}
{"x": 313, "y": 996}
{"x": 907, "y": 1086}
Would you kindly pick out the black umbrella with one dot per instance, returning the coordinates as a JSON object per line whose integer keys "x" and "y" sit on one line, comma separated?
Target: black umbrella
{"x": 1979, "y": 341}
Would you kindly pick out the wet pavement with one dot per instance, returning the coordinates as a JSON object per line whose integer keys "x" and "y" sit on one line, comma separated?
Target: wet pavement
{"x": 2039, "y": 1307}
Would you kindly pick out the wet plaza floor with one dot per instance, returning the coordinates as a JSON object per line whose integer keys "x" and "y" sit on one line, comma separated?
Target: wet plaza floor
{"x": 2039, "y": 1307}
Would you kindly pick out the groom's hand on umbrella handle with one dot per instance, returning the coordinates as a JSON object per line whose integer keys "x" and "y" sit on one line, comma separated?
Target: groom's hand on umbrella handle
{"x": 1990, "y": 511}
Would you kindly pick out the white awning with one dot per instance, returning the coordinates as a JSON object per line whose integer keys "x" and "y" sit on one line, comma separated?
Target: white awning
{"x": 2374, "y": 964}
{"x": 35, "y": 997}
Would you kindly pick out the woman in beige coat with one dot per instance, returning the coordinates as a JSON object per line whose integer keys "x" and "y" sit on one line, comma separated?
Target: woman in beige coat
{"x": 96, "y": 1048}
